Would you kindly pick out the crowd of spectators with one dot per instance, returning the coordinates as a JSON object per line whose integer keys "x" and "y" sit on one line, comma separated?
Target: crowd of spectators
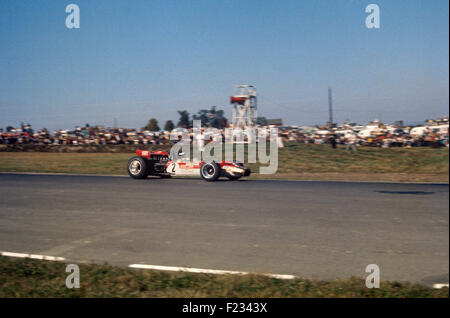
{"x": 87, "y": 135}
{"x": 434, "y": 133}
{"x": 381, "y": 137}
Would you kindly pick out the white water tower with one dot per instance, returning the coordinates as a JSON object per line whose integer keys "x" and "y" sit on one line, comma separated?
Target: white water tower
{"x": 244, "y": 106}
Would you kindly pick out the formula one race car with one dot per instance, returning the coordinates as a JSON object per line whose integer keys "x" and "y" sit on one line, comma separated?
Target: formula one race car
{"x": 159, "y": 163}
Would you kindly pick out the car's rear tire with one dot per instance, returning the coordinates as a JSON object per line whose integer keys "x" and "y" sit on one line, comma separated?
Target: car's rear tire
{"x": 138, "y": 168}
{"x": 210, "y": 171}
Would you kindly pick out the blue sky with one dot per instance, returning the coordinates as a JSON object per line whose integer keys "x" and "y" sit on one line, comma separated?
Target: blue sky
{"x": 132, "y": 60}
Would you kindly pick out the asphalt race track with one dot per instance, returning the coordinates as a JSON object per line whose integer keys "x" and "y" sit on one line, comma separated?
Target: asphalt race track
{"x": 320, "y": 230}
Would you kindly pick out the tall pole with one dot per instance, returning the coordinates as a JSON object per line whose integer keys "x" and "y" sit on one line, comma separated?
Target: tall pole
{"x": 330, "y": 108}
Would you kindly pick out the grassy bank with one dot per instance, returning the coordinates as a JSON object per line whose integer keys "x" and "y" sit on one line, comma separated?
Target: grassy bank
{"x": 296, "y": 161}
{"x": 34, "y": 278}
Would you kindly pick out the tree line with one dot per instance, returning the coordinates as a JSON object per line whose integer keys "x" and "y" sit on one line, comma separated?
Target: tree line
{"x": 208, "y": 117}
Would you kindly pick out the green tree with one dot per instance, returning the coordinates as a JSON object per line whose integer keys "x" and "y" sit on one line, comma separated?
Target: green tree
{"x": 184, "y": 121}
{"x": 211, "y": 118}
{"x": 217, "y": 119}
{"x": 203, "y": 116}
{"x": 169, "y": 126}
{"x": 152, "y": 125}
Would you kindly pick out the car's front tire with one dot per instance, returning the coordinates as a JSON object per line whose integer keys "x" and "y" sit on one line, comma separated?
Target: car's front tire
{"x": 138, "y": 168}
{"x": 210, "y": 171}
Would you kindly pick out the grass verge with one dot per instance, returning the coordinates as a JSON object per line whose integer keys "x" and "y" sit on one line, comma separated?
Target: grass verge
{"x": 296, "y": 162}
{"x": 35, "y": 278}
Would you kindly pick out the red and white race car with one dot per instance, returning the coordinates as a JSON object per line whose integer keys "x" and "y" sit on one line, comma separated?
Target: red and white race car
{"x": 159, "y": 163}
